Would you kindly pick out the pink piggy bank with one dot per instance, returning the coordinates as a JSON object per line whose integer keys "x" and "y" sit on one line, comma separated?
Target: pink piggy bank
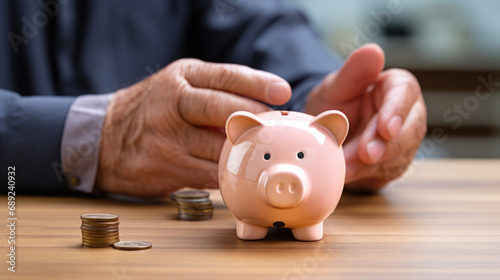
{"x": 283, "y": 169}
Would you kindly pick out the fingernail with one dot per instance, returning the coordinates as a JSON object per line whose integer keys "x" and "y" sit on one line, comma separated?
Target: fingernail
{"x": 278, "y": 92}
{"x": 375, "y": 149}
{"x": 394, "y": 125}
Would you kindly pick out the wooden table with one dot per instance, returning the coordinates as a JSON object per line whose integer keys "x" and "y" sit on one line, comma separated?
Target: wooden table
{"x": 441, "y": 221}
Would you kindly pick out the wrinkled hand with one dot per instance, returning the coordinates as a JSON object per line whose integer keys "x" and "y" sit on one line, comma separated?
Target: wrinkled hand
{"x": 386, "y": 112}
{"x": 162, "y": 134}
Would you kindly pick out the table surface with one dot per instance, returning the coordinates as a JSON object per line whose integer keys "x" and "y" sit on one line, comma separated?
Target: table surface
{"x": 440, "y": 221}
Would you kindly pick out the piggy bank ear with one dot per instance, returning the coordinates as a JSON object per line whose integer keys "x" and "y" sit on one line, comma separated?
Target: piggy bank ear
{"x": 335, "y": 122}
{"x": 239, "y": 123}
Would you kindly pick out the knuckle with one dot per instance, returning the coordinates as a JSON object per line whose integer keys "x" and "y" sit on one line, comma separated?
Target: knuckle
{"x": 406, "y": 78}
{"x": 224, "y": 77}
{"x": 212, "y": 106}
{"x": 184, "y": 65}
{"x": 184, "y": 99}
{"x": 186, "y": 61}
{"x": 401, "y": 73}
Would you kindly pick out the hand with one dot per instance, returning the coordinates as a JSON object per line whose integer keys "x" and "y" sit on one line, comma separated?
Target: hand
{"x": 386, "y": 113}
{"x": 162, "y": 134}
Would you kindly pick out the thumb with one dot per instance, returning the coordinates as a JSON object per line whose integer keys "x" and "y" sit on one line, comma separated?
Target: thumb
{"x": 361, "y": 69}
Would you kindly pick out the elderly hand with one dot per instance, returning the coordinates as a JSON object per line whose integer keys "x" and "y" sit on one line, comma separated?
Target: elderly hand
{"x": 162, "y": 134}
{"x": 386, "y": 112}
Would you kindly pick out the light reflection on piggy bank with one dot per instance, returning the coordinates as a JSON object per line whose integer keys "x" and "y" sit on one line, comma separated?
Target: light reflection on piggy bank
{"x": 283, "y": 169}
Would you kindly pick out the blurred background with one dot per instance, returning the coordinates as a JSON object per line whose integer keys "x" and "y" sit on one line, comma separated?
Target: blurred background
{"x": 452, "y": 47}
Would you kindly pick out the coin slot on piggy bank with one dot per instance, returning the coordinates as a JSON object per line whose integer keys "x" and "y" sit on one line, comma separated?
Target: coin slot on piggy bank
{"x": 283, "y": 169}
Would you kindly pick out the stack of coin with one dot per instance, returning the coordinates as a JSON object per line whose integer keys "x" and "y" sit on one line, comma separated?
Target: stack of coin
{"x": 193, "y": 205}
{"x": 99, "y": 230}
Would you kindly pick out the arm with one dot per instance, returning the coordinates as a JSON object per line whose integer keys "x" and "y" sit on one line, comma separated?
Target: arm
{"x": 52, "y": 141}
{"x": 30, "y": 139}
{"x": 265, "y": 35}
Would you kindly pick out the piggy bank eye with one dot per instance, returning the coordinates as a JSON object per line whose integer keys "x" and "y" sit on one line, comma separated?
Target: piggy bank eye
{"x": 300, "y": 155}
{"x": 267, "y": 156}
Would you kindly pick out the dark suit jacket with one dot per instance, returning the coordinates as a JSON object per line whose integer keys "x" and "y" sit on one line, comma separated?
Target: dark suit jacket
{"x": 52, "y": 51}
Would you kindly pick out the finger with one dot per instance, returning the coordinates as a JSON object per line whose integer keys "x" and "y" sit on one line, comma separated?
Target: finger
{"x": 239, "y": 79}
{"x": 204, "y": 143}
{"x": 373, "y": 149}
{"x": 359, "y": 71}
{"x": 354, "y": 166}
{"x": 212, "y": 108}
{"x": 395, "y": 94}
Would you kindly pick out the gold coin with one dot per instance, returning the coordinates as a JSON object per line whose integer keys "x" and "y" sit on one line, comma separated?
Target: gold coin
{"x": 132, "y": 245}
{"x": 96, "y": 245}
{"x": 91, "y": 234}
{"x": 99, "y": 217}
{"x": 99, "y": 228}
{"x": 99, "y": 223}
{"x": 100, "y": 235}
{"x": 100, "y": 232}
{"x": 97, "y": 234}
{"x": 101, "y": 239}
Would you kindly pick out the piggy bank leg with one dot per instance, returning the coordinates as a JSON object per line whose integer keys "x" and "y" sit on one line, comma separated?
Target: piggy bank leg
{"x": 310, "y": 233}
{"x": 250, "y": 232}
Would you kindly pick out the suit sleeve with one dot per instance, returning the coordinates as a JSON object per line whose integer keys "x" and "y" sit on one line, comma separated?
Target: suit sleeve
{"x": 266, "y": 35}
{"x": 30, "y": 140}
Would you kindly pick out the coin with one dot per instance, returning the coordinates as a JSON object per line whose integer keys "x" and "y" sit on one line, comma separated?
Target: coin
{"x": 99, "y": 223}
{"x": 132, "y": 245}
{"x": 101, "y": 240}
{"x": 193, "y": 194}
{"x": 92, "y": 235}
{"x": 99, "y": 227}
{"x": 104, "y": 229}
{"x": 195, "y": 206}
{"x": 195, "y": 216}
{"x": 99, "y": 217}
{"x": 196, "y": 211}
{"x": 96, "y": 245}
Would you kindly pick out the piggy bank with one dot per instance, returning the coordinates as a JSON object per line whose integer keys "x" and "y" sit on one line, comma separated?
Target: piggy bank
{"x": 282, "y": 169}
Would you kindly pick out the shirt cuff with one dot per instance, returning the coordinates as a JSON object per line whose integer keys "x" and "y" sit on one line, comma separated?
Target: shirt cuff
{"x": 81, "y": 139}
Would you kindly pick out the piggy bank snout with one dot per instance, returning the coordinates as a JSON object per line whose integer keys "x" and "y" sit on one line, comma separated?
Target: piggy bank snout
{"x": 285, "y": 187}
